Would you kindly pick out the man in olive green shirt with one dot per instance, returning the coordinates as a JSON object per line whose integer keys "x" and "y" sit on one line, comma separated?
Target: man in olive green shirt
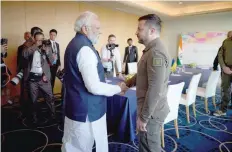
{"x": 151, "y": 84}
{"x": 225, "y": 61}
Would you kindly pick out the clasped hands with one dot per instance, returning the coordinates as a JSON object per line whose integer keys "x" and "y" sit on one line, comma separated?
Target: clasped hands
{"x": 123, "y": 87}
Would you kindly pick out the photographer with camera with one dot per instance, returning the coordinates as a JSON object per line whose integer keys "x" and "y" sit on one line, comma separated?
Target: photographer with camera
{"x": 5, "y": 72}
{"x": 37, "y": 74}
{"x": 110, "y": 56}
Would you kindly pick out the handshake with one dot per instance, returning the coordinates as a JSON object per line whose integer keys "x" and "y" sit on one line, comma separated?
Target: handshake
{"x": 123, "y": 87}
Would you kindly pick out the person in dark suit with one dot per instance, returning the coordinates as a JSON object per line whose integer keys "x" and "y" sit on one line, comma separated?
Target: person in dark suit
{"x": 55, "y": 66}
{"x": 20, "y": 59}
{"x": 131, "y": 54}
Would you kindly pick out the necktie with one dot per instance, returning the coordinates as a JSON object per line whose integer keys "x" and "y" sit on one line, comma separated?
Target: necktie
{"x": 55, "y": 52}
{"x": 54, "y": 48}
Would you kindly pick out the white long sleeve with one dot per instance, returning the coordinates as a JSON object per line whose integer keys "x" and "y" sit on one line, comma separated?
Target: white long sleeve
{"x": 87, "y": 64}
{"x": 118, "y": 59}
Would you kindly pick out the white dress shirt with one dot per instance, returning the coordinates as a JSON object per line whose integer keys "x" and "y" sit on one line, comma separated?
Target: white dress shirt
{"x": 36, "y": 63}
{"x": 54, "y": 50}
{"x": 87, "y": 63}
{"x": 105, "y": 54}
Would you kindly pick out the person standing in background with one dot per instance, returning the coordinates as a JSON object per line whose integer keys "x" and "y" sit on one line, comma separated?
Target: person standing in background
{"x": 131, "y": 54}
{"x": 20, "y": 59}
{"x": 111, "y": 57}
{"x": 215, "y": 62}
{"x": 55, "y": 66}
{"x": 225, "y": 61}
{"x": 151, "y": 84}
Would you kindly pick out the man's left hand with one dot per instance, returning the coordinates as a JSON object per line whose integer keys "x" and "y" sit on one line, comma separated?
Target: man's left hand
{"x": 141, "y": 126}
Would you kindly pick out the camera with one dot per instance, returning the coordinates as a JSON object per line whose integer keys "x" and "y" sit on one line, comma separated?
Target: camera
{"x": 111, "y": 46}
{"x": 4, "y": 41}
{"x": 60, "y": 75}
{"x": 17, "y": 78}
{"x": 46, "y": 42}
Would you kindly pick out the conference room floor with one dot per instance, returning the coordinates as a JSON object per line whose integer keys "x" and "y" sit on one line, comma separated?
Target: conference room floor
{"x": 205, "y": 133}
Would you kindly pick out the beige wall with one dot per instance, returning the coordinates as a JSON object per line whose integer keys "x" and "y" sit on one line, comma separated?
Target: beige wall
{"x": 198, "y": 23}
{"x": 18, "y": 17}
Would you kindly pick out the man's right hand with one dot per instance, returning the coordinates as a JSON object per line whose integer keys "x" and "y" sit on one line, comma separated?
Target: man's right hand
{"x": 227, "y": 70}
{"x": 123, "y": 87}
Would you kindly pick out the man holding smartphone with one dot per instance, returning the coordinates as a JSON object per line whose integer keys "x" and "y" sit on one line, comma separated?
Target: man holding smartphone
{"x": 5, "y": 72}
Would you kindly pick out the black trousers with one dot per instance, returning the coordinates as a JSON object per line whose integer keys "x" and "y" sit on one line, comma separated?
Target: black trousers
{"x": 24, "y": 100}
{"x": 53, "y": 70}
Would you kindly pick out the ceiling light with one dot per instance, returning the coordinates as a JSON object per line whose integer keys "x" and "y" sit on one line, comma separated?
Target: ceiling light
{"x": 180, "y": 3}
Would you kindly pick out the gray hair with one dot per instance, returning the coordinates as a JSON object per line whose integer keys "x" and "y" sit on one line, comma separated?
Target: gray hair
{"x": 85, "y": 19}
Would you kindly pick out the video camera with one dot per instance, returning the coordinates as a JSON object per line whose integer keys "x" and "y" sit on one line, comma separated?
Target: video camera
{"x": 4, "y": 41}
{"x": 60, "y": 75}
{"x": 46, "y": 42}
{"x": 110, "y": 47}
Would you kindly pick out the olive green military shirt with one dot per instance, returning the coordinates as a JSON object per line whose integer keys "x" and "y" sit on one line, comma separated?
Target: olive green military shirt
{"x": 152, "y": 82}
{"x": 225, "y": 53}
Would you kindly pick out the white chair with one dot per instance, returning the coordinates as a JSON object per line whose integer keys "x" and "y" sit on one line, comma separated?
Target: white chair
{"x": 173, "y": 97}
{"x": 210, "y": 90}
{"x": 190, "y": 96}
{"x": 132, "y": 68}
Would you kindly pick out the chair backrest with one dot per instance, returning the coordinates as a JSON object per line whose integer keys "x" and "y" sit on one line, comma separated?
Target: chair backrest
{"x": 192, "y": 89}
{"x": 132, "y": 68}
{"x": 174, "y": 97}
{"x": 212, "y": 83}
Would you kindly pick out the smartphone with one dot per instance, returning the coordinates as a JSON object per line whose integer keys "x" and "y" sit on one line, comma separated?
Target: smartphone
{"x": 4, "y": 41}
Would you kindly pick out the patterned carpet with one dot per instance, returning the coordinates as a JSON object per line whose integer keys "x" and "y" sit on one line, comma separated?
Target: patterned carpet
{"x": 205, "y": 133}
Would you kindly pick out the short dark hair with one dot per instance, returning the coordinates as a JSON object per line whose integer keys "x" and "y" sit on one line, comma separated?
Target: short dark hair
{"x": 111, "y": 35}
{"x": 53, "y": 30}
{"x": 35, "y": 30}
{"x": 38, "y": 33}
{"x": 152, "y": 20}
{"x": 130, "y": 39}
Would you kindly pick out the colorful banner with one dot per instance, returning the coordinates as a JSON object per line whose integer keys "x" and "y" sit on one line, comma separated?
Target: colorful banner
{"x": 199, "y": 47}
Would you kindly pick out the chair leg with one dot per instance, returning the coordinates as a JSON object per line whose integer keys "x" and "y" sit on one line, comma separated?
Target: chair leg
{"x": 214, "y": 101}
{"x": 194, "y": 110}
{"x": 162, "y": 136}
{"x": 206, "y": 105}
{"x": 187, "y": 113}
{"x": 176, "y": 127}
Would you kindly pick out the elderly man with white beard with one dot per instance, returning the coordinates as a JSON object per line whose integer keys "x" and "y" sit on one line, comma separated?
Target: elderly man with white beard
{"x": 85, "y": 90}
